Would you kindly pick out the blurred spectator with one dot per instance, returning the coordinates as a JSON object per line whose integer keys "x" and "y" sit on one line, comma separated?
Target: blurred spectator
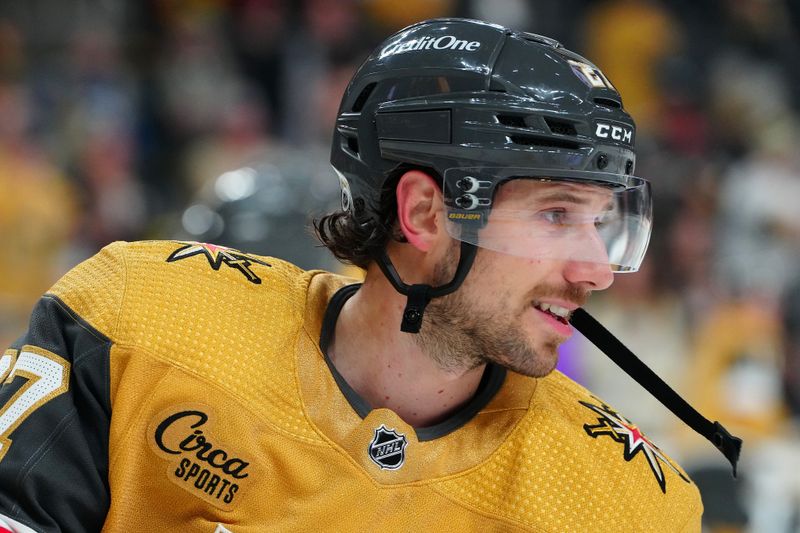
{"x": 37, "y": 215}
{"x": 319, "y": 59}
{"x": 690, "y": 240}
{"x": 629, "y": 40}
{"x": 510, "y": 13}
{"x": 240, "y": 139}
{"x": 736, "y": 370}
{"x": 791, "y": 347}
{"x": 197, "y": 75}
{"x": 735, "y": 377}
{"x": 760, "y": 220}
{"x": 102, "y": 100}
{"x": 258, "y": 31}
{"x": 392, "y": 15}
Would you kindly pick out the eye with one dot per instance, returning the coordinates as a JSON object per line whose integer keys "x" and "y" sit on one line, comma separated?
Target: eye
{"x": 603, "y": 220}
{"x": 557, "y": 217}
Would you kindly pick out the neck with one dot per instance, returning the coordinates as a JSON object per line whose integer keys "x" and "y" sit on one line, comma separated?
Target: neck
{"x": 389, "y": 368}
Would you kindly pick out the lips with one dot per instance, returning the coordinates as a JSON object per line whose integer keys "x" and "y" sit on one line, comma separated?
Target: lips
{"x": 557, "y": 319}
{"x": 560, "y": 313}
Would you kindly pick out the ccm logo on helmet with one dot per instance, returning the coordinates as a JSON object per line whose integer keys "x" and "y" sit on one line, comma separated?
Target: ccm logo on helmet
{"x": 445, "y": 42}
{"x": 605, "y": 130}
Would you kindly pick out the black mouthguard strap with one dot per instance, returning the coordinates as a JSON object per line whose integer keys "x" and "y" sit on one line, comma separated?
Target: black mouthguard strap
{"x": 728, "y": 444}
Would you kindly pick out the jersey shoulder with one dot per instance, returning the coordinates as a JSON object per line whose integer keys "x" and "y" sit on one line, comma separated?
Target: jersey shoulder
{"x": 218, "y": 324}
{"x": 131, "y": 288}
{"x": 611, "y": 436}
{"x": 570, "y": 460}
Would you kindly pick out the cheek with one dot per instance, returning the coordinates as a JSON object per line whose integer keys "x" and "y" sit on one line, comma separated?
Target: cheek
{"x": 522, "y": 273}
{"x": 499, "y": 294}
{"x": 504, "y": 281}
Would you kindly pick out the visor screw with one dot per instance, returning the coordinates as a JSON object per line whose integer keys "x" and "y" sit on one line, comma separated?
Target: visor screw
{"x": 467, "y": 184}
{"x": 602, "y": 161}
{"x": 629, "y": 167}
{"x": 467, "y": 201}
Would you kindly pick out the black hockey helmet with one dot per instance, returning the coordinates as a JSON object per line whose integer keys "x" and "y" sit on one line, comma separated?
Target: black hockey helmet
{"x": 481, "y": 105}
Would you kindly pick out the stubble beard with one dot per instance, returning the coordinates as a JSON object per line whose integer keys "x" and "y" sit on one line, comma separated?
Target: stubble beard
{"x": 461, "y": 332}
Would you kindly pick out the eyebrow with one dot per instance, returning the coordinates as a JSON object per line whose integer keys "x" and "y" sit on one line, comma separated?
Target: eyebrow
{"x": 563, "y": 196}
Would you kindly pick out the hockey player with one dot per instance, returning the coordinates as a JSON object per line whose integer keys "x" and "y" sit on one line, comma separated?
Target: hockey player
{"x": 488, "y": 188}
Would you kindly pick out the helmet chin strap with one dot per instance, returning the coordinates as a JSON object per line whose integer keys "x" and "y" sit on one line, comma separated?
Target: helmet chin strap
{"x": 419, "y": 295}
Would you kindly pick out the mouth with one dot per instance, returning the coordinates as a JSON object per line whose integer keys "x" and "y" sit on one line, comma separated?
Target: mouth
{"x": 555, "y": 316}
{"x": 561, "y": 314}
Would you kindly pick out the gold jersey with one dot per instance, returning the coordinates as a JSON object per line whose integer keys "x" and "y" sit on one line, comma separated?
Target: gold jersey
{"x": 178, "y": 386}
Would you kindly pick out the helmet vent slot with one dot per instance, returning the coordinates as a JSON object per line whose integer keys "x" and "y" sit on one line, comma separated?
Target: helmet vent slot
{"x": 352, "y": 144}
{"x": 560, "y": 127}
{"x": 362, "y": 98}
{"x": 608, "y": 102}
{"x": 528, "y": 140}
{"x": 514, "y": 121}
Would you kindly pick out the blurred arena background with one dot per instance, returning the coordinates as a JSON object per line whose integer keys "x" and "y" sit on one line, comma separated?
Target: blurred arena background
{"x": 210, "y": 120}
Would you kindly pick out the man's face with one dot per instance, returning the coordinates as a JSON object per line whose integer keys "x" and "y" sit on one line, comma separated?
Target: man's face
{"x": 510, "y": 308}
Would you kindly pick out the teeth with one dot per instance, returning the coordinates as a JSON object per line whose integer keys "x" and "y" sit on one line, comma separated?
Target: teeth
{"x": 563, "y": 312}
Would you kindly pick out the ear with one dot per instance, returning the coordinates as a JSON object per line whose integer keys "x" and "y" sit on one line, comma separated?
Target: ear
{"x": 419, "y": 202}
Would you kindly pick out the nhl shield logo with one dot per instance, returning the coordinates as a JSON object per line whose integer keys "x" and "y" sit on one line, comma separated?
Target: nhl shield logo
{"x": 388, "y": 448}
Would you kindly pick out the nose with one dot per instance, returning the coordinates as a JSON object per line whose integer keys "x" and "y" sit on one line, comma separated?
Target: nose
{"x": 592, "y": 275}
{"x": 593, "y": 270}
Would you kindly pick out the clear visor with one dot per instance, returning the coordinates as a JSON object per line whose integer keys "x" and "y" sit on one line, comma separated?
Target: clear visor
{"x": 579, "y": 216}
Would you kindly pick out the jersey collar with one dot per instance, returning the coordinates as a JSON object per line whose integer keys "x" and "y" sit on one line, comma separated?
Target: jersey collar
{"x": 349, "y": 423}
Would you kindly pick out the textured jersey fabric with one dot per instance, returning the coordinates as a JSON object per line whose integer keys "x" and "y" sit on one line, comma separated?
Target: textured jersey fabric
{"x": 167, "y": 386}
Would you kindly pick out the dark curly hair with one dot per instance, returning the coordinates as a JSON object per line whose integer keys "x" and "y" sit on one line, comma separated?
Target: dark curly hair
{"x": 359, "y": 242}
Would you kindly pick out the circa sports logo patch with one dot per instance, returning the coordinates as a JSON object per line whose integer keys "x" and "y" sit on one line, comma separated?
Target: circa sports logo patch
{"x": 388, "y": 448}
{"x": 198, "y": 461}
{"x": 218, "y": 256}
{"x": 614, "y": 425}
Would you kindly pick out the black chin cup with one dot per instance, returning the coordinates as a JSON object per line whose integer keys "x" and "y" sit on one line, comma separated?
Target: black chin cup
{"x": 419, "y": 295}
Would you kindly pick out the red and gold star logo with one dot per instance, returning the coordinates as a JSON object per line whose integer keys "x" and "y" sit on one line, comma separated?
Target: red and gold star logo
{"x": 218, "y": 256}
{"x": 611, "y": 423}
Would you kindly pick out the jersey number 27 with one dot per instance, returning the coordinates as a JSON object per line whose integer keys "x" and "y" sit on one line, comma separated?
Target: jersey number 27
{"x": 46, "y": 376}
